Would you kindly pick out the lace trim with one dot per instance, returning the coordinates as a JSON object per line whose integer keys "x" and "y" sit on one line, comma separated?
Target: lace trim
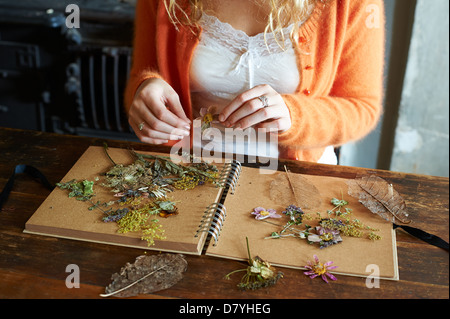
{"x": 220, "y": 34}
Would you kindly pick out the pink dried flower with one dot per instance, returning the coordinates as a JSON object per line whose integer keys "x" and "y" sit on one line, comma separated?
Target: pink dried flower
{"x": 262, "y": 213}
{"x": 318, "y": 269}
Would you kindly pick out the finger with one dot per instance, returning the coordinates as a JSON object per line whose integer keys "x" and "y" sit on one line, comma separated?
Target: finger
{"x": 263, "y": 114}
{"x": 174, "y": 105}
{"x": 151, "y": 121}
{"x": 161, "y": 112}
{"x": 243, "y": 98}
{"x": 149, "y": 133}
{"x": 275, "y": 126}
{"x": 162, "y": 100}
{"x": 241, "y": 115}
{"x": 144, "y": 122}
{"x": 144, "y": 138}
{"x": 157, "y": 130}
{"x": 153, "y": 141}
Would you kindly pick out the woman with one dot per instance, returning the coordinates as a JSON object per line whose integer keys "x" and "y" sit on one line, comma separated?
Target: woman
{"x": 309, "y": 70}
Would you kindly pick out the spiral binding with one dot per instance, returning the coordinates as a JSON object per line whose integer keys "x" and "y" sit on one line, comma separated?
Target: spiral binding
{"x": 214, "y": 215}
{"x": 212, "y": 221}
{"x": 230, "y": 175}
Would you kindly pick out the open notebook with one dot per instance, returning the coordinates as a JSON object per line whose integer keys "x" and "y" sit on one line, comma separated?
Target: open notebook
{"x": 223, "y": 215}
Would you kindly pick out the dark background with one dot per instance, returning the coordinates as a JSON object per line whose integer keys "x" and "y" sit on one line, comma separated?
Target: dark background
{"x": 63, "y": 80}
{"x": 71, "y": 81}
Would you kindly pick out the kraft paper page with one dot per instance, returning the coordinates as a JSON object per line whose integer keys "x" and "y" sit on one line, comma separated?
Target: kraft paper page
{"x": 61, "y": 216}
{"x": 353, "y": 256}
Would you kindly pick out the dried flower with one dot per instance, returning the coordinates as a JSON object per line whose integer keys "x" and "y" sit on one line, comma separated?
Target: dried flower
{"x": 325, "y": 237}
{"x": 373, "y": 236}
{"x": 319, "y": 269}
{"x": 116, "y": 215}
{"x": 332, "y": 223}
{"x": 143, "y": 187}
{"x": 208, "y": 116}
{"x": 351, "y": 227}
{"x": 259, "y": 274}
{"x": 327, "y": 233}
{"x": 261, "y": 267}
{"x": 262, "y": 213}
{"x": 82, "y": 191}
{"x": 208, "y": 113}
{"x": 188, "y": 182}
{"x": 295, "y": 213}
{"x": 293, "y": 210}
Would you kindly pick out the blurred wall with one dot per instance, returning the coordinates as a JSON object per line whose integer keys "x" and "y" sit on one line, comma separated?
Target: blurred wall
{"x": 364, "y": 153}
{"x": 421, "y": 142}
{"x": 412, "y": 135}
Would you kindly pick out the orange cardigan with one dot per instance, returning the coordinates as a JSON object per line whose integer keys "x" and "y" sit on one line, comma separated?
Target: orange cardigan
{"x": 340, "y": 57}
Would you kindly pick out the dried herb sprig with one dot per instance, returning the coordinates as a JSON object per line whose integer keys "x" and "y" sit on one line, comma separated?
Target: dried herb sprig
{"x": 135, "y": 218}
{"x": 140, "y": 221}
{"x": 259, "y": 273}
{"x": 344, "y": 222}
{"x": 81, "y": 190}
{"x": 339, "y": 222}
{"x": 142, "y": 188}
{"x": 295, "y": 215}
{"x": 164, "y": 166}
{"x": 115, "y": 215}
{"x": 338, "y": 205}
{"x": 105, "y": 148}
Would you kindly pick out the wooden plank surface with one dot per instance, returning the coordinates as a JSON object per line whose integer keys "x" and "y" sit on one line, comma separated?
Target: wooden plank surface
{"x": 35, "y": 266}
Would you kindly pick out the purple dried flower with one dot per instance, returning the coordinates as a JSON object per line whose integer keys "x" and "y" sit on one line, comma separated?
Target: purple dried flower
{"x": 295, "y": 213}
{"x": 116, "y": 215}
{"x": 292, "y": 209}
{"x": 325, "y": 237}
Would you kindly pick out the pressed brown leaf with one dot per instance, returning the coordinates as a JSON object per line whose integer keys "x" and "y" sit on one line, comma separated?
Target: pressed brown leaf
{"x": 308, "y": 195}
{"x": 379, "y": 197}
{"x": 146, "y": 275}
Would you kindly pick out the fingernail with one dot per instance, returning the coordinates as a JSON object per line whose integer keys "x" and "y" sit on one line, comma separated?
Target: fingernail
{"x": 186, "y": 133}
{"x": 221, "y": 117}
{"x": 187, "y": 127}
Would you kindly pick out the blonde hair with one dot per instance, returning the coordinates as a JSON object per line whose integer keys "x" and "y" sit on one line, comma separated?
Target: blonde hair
{"x": 283, "y": 13}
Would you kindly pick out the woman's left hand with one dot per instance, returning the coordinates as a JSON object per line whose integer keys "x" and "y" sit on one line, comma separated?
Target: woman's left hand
{"x": 248, "y": 109}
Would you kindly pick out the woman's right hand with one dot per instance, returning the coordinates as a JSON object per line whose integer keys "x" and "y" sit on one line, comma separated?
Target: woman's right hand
{"x": 156, "y": 114}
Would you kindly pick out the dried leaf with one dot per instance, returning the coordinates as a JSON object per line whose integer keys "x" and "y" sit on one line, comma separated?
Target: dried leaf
{"x": 309, "y": 196}
{"x": 146, "y": 275}
{"x": 379, "y": 197}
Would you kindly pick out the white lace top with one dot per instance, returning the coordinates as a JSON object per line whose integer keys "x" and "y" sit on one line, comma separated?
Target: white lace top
{"x": 228, "y": 62}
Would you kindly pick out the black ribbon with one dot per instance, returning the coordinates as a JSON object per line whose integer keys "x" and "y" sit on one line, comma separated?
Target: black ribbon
{"x": 426, "y": 237}
{"x": 20, "y": 169}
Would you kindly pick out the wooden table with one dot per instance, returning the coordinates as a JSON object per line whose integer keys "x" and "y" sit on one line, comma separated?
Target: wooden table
{"x": 33, "y": 266}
